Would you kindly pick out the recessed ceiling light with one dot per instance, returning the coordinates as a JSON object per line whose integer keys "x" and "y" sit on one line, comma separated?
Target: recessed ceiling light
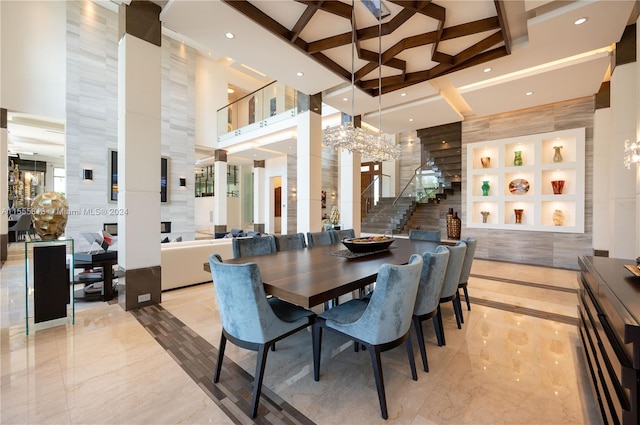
{"x": 229, "y": 35}
{"x": 580, "y": 21}
{"x": 529, "y": 93}
{"x": 487, "y": 69}
{"x": 230, "y": 90}
{"x": 344, "y": 99}
{"x": 444, "y": 141}
{"x": 299, "y": 74}
{"x": 403, "y": 94}
{"x": 410, "y": 119}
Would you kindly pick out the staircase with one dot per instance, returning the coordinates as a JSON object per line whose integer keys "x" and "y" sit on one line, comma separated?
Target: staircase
{"x": 387, "y": 217}
{"x": 432, "y": 215}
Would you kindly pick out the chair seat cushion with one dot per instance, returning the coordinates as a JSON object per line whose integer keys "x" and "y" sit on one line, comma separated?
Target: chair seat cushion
{"x": 346, "y": 313}
{"x": 287, "y": 311}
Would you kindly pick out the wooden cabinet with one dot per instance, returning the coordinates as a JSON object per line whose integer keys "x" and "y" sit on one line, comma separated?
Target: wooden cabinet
{"x": 608, "y": 320}
{"x": 519, "y": 172}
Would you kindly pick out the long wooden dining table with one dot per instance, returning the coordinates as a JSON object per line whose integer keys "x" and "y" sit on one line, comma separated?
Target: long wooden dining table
{"x": 312, "y": 276}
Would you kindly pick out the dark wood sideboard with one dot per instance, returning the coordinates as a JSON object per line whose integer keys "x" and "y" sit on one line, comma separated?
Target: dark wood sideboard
{"x": 609, "y": 322}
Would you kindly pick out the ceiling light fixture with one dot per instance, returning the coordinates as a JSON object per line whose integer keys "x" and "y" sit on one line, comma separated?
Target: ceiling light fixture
{"x": 529, "y": 93}
{"x": 487, "y": 69}
{"x": 299, "y": 74}
{"x": 230, "y": 90}
{"x": 580, "y": 21}
{"x": 346, "y": 135}
{"x": 631, "y": 153}
{"x": 403, "y": 94}
{"x": 229, "y": 35}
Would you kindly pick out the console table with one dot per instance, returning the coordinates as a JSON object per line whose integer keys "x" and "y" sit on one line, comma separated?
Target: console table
{"x": 609, "y": 322}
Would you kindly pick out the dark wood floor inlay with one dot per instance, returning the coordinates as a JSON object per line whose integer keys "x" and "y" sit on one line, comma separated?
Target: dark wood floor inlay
{"x": 197, "y": 357}
{"x": 525, "y": 283}
{"x": 525, "y": 310}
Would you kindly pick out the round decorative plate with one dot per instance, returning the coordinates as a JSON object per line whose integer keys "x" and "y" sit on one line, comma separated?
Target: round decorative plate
{"x": 519, "y": 186}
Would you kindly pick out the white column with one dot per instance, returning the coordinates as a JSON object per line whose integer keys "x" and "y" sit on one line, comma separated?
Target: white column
{"x": 309, "y": 172}
{"x": 622, "y": 182}
{"x": 220, "y": 190}
{"x": 139, "y": 133}
{"x": 259, "y": 196}
{"x": 349, "y": 193}
{"x": 602, "y": 163}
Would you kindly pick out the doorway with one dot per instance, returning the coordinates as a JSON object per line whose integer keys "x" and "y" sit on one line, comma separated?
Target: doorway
{"x": 276, "y": 204}
{"x": 369, "y": 185}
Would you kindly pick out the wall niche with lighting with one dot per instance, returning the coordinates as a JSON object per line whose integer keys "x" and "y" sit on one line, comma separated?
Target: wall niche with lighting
{"x": 533, "y": 182}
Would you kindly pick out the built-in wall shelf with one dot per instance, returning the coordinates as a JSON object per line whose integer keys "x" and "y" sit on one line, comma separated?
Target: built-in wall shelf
{"x": 527, "y": 183}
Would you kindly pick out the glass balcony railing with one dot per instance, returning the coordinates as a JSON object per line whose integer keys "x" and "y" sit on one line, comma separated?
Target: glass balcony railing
{"x": 270, "y": 104}
{"x": 423, "y": 185}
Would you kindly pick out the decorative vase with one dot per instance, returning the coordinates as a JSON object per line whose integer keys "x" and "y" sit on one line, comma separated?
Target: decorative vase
{"x": 485, "y": 188}
{"x": 49, "y": 212}
{"x": 517, "y": 159}
{"x": 557, "y": 156}
{"x": 456, "y": 226}
{"x": 485, "y": 161}
{"x": 518, "y": 213}
{"x": 558, "y": 217}
{"x": 334, "y": 216}
{"x": 449, "y": 217}
{"x": 557, "y": 186}
{"x": 485, "y": 214}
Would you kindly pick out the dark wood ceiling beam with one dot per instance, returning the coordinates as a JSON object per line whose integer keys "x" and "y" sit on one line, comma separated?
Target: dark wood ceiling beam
{"x": 420, "y": 40}
{"x": 424, "y": 7}
{"x": 479, "y": 47}
{"x": 259, "y": 17}
{"x": 334, "y": 7}
{"x": 504, "y": 24}
{"x": 434, "y": 48}
{"x": 388, "y": 60}
{"x": 481, "y": 58}
{"x": 471, "y": 28}
{"x": 304, "y": 19}
{"x": 359, "y": 74}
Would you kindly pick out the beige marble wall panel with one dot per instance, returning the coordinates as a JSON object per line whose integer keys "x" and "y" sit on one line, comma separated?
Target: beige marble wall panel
{"x": 542, "y": 248}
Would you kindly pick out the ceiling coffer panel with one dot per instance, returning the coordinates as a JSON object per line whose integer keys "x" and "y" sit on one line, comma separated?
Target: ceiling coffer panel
{"x": 324, "y": 28}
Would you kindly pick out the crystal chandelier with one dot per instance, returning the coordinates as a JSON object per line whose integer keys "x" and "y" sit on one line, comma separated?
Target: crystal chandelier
{"x": 631, "y": 153}
{"x": 377, "y": 146}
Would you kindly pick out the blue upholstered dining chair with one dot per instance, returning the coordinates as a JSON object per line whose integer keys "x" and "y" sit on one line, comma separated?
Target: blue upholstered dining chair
{"x": 288, "y": 242}
{"x": 425, "y": 235}
{"x": 322, "y": 238}
{"x": 346, "y": 233}
{"x": 466, "y": 271}
{"x": 249, "y": 319}
{"x": 381, "y": 324}
{"x": 434, "y": 268}
{"x": 247, "y": 247}
{"x": 450, "y": 286}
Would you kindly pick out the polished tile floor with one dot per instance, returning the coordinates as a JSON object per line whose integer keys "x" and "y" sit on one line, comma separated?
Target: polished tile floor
{"x": 516, "y": 361}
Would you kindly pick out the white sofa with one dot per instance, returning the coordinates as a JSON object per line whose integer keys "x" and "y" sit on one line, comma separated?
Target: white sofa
{"x": 182, "y": 262}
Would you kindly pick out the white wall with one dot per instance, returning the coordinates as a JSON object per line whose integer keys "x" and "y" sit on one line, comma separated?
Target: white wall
{"x": 33, "y": 47}
{"x": 276, "y": 167}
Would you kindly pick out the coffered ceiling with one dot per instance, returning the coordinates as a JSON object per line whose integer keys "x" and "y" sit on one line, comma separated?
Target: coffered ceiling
{"x": 436, "y": 54}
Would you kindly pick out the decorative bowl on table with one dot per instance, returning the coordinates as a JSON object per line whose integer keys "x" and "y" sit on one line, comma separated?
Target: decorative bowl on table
{"x": 368, "y": 244}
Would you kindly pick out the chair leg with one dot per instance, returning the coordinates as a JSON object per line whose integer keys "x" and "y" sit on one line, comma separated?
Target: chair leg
{"x": 377, "y": 373}
{"x": 455, "y": 311}
{"x": 223, "y": 344}
{"x": 417, "y": 324}
{"x": 316, "y": 336}
{"x": 412, "y": 361}
{"x": 466, "y": 297}
{"x": 263, "y": 350}
{"x": 437, "y": 323}
{"x": 459, "y": 303}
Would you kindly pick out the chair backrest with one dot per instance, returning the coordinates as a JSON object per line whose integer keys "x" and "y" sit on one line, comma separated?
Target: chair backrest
{"x": 425, "y": 235}
{"x": 247, "y": 247}
{"x": 346, "y": 233}
{"x": 434, "y": 268}
{"x": 288, "y": 242}
{"x": 454, "y": 268}
{"x": 322, "y": 238}
{"x": 388, "y": 314}
{"x": 244, "y": 310}
{"x": 468, "y": 259}
{"x": 23, "y": 224}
